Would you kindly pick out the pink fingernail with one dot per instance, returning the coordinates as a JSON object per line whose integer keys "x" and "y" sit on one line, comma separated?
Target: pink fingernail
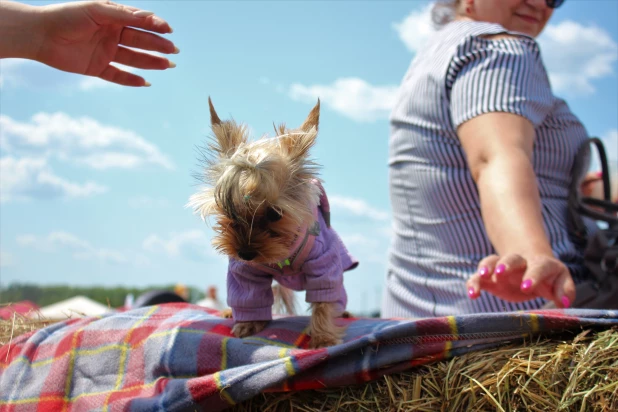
{"x": 471, "y": 293}
{"x": 599, "y": 173}
{"x": 565, "y": 302}
{"x": 500, "y": 269}
{"x": 483, "y": 272}
{"x": 526, "y": 285}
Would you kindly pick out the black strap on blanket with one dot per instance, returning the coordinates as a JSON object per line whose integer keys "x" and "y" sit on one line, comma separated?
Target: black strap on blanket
{"x": 597, "y": 209}
{"x": 600, "y": 291}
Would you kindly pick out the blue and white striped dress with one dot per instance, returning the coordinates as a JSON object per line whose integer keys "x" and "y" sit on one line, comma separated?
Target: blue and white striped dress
{"x": 439, "y": 235}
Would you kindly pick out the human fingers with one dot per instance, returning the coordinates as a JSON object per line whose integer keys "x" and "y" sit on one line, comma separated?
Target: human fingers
{"x": 543, "y": 275}
{"x": 473, "y": 286}
{"x": 139, "y": 60}
{"x": 115, "y": 75}
{"x": 564, "y": 289}
{"x": 590, "y": 183}
{"x": 146, "y": 41}
{"x": 509, "y": 269}
{"x": 112, "y": 13}
{"x": 592, "y": 177}
{"x": 485, "y": 268}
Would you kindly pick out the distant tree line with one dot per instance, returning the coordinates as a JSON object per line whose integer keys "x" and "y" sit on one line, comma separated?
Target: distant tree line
{"x": 109, "y": 296}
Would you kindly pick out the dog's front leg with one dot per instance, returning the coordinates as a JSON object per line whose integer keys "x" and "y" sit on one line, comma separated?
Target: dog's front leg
{"x": 244, "y": 329}
{"x": 322, "y": 326}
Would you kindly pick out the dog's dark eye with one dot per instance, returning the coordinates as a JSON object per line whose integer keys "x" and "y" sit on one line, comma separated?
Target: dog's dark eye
{"x": 272, "y": 215}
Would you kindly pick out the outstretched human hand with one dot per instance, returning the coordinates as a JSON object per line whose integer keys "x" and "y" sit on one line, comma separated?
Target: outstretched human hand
{"x": 516, "y": 279}
{"x": 85, "y": 37}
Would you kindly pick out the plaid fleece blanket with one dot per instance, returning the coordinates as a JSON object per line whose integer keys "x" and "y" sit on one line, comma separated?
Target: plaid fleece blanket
{"x": 178, "y": 357}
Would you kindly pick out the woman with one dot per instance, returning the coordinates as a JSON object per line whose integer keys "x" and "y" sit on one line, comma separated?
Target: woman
{"x": 480, "y": 160}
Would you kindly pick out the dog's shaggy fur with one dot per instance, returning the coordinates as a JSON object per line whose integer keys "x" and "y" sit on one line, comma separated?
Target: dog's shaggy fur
{"x": 262, "y": 195}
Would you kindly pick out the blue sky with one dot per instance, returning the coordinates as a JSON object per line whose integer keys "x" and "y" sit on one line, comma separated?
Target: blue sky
{"x": 95, "y": 177}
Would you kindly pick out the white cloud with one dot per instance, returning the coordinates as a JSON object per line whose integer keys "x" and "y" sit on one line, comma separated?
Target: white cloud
{"x": 371, "y": 244}
{"x": 81, "y": 249}
{"x": 366, "y": 248}
{"x": 352, "y": 97}
{"x": 23, "y": 73}
{"x": 10, "y": 73}
{"x": 104, "y": 255}
{"x": 357, "y": 207}
{"x": 416, "y": 28}
{"x": 88, "y": 83}
{"x": 358, "y": 239}
{"x": 192, "y": 244}
{"x": 356, "y": 98}
{"x": 16, "y": 73}
{"x": 279, "y": 87}
{"x": 81, "y": 140}
{"x": 576, "y": 55}
{"x": 6, "y": 259}
{"x": 28, "y": 178}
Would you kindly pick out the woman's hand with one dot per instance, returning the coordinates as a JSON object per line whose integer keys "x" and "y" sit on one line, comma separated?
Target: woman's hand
{"x": 592, "y": 185}
{"x": 85, "y": 37}
{"x": 516, "y": 279}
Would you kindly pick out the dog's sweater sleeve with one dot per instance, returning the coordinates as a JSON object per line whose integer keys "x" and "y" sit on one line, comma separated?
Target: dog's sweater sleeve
{"x": 249, "y": 293}
{"x": 324, "y": 268}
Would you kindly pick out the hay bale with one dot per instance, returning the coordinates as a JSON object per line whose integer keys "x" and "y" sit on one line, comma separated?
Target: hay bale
{"x": 576, "y": 374}
{"x": 18, "y": 325}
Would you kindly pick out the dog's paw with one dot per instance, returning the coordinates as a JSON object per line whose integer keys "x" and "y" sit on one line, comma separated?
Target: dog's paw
{"x": 243, "y": 329}
{"x": 322, "y": 327}
{"x": 324, "y": 340}
{"x": 226, "y": 313}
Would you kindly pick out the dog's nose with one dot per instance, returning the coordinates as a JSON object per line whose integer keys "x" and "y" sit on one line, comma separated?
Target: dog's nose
{"x": 247, "y": 254}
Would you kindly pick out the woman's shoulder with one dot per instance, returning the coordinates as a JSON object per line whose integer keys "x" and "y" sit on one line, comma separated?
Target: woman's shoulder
{"x": 469, "y": 36}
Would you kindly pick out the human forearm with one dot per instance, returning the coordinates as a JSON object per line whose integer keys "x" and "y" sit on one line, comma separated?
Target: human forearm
{"x": 524, "y": 266}
{"x": 20, "y": 30}
{"x": 511, "y": 205}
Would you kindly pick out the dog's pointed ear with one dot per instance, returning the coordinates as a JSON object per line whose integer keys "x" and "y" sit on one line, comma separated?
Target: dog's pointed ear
{"x": 228, "y": 135}
{"x": 214, "y": 118}
{"x": 313, "y": 119}
{"x": 300, "y": 143}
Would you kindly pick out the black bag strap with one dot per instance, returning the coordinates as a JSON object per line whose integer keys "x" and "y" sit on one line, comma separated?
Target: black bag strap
{"x": 597, "y": 209}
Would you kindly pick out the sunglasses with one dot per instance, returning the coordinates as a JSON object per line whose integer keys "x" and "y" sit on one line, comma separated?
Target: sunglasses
{"x": 554, "y": 4}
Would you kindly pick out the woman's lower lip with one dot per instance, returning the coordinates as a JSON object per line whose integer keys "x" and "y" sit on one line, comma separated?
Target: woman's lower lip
{"x": 527, "y": 18}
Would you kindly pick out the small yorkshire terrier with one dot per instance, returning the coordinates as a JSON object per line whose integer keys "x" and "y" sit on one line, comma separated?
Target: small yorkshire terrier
{"x": 273, "y": 222}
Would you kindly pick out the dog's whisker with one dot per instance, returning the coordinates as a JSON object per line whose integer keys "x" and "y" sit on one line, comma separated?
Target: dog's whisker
{"x": 253, "y": 219}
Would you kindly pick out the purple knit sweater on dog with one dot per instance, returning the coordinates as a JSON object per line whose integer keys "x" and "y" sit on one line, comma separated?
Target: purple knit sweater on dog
{"x": 249, "y": 291}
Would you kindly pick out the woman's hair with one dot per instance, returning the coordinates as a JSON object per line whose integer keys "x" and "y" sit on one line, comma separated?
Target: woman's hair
{"x": 444, "y": 11}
